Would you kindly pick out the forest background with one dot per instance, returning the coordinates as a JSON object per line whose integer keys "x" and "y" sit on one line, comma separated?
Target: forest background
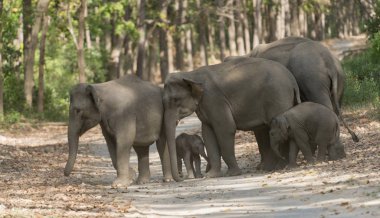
{"x": 47, "y": 46}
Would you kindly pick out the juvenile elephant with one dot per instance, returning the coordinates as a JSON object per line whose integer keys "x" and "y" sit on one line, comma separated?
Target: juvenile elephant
{"x": 234, "y": 95}
{"x": 190, "y": 148}
{"x": 304, "y": 126}
{"x": 130, "y": 113}
{"x": 319, "y": 74}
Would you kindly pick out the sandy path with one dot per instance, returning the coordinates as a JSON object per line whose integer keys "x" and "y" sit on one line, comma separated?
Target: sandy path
{"x": 32, "y": 184}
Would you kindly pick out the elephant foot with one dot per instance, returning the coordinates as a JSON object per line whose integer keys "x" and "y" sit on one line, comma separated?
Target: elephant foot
{"x": 213, "y": 174}
{"x": 281, "y": 164}
{"x": 233, "y": 172}
{"x": 121, "y": 183}
{"x": 142, "y": 180}
{"x": 198, "y": 176}
{"x": 168, "y": 180}
{"x": 292, "y": 165}
{"x": 190, "y": 176}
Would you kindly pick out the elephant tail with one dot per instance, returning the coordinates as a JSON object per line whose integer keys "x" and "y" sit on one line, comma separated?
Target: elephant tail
{"x": 335, "y": 101}
{"x": 297, "y": 95}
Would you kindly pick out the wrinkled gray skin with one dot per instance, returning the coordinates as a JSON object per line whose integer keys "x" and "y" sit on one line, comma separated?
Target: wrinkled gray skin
{"x": 235, "y": 95}
{"x": 190, "y": 148}
{"x": 130, "y": 113}
{"x": 319, "y": 74}
{"x": 304, "y": 126}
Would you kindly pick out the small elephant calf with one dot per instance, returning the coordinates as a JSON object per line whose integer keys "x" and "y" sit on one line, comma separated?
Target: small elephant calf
{"x": 304, "y": 126}
{"x": 190, "y": 148}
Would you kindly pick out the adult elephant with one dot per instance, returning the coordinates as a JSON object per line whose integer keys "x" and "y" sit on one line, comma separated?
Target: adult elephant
{"x": 130, "y": 113}
{"x": 319, "y": 74}
{"x": 236, "y": 95}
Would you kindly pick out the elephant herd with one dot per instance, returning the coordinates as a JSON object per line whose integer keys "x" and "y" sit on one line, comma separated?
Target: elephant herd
{"x": 260, "y": 92}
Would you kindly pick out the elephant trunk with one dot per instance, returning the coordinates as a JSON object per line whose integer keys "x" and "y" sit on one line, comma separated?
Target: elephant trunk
{"x": 276, "y": 149}
{"x": 170, "y": 119}
{"x": 73, "y": 139}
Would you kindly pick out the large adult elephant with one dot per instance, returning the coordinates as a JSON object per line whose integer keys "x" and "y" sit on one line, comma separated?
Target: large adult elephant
{"x": 130, "y": 112}
{"x": 235, "y": 95}
{"x": 319, "y": 74}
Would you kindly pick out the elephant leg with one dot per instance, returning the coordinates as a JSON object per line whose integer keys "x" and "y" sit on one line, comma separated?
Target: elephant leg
{"x": 179, "y": 165}
{"x": 197, "y": 160}
{"x": 269, "y": 159}
{"x": 302, "y": 140}
{"x": 164, "y": 157}
{"x": 322, "y": 149}
{"x": 293, "y": 152}
{"x": 143, "y": 164}
{"x": 212, "y": 151}
{"x": 188, "y": 165}
{"x": 124, "y": 141}
{"x": 111, "y": 148}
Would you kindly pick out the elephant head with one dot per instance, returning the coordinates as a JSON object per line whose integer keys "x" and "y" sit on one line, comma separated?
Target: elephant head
{"x": 181, "y": 98}
{"x": 279, "y": 130}
{"x": 336, "y": 151}
{"x": 83, "y": 115}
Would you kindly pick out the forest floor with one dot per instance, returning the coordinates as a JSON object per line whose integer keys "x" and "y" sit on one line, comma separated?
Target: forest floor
{"x": 32, "y": 159}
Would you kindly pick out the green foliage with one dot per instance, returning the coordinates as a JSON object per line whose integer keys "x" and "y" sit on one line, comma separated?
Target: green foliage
{"x": 13, "y": 94}
{"x": 373, "y": 24}
{"x": 363, "y": 79}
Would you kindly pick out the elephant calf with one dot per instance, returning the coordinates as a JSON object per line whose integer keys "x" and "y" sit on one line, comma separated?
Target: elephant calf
{"x": 304, "y": 126}
{"x": 190, "y": 148}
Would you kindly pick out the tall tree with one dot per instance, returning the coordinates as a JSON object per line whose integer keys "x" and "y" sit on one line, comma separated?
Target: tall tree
{"x": 245, "y": 21}
{"x": 178, "y": 35}
{"x": 222, "y": 35}
{"x": 258, "y": 23}
{"x": 142, "y": 40}
{"x": 239, "y": 28}
{"x": 80, "y": 46}
{"x": 1, "y": 64}
{"x": 41, "y": 71}
{"x": 231, "y": 28}
{"x": 202, "y": 32}
{"x": 188, "y": 37}
{"x": 163, "y": 41}
{"x": 41, "y": 9}
{"x": 294, "y": 23}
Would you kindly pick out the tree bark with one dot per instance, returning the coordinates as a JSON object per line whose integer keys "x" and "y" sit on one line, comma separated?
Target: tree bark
{"x": 202, "y": 33}
{"x": 222, "y": 35}
{"x": 178, "y": 36}
{"x": 80, "y": 48}
{"x": 231, "y": 29}
{"x": 41, "y": 71}
{"x": 257, "y": 32}
{"x": 42, "y": 7}
{"x": 245, "y": 22}
{"x": 239, "y": 28}
{"x": 163, "y": 42}
{"x": 188, "y": 37}
{"x": 88, "y": 34}
{"x": 1, "y": 66}
{"x": 142, "y": 40}
{"x": 294, "y": 24}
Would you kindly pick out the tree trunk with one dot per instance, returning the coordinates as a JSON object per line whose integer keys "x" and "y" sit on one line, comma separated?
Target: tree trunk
{"x": 202, "y": 33}
{"x": 294, "y": 24}
{"x": 80, "y": 48}
{"x": 239, "y": 28}
{"x": 257, "y": 32}
{"x": 41, "y": 72}
{"x": 42, "y": 7}
{"x": 189, "y": 48}
{"x": 163, "y": 42}
{"x": 1, "y": 66}
{"x": 88, "y": 34}
{"x": 178, "y": 35}
{"x": 280, "y": 23}
{"x": 141, "y": 44}
{"x": 170, "y": 53}
{"x": 303, "y": 23}
{"x": 245, "y": 22}
{"x": 231, "y": 29}
{"x": 222, "y": 35}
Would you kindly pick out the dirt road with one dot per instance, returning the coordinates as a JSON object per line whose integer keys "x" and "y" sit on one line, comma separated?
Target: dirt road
{"x": 32, "y": 182}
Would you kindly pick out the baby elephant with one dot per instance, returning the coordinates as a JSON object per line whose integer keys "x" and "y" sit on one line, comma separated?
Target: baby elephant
{"x": 304, "y": 126}
{"x": 189, "y": 147}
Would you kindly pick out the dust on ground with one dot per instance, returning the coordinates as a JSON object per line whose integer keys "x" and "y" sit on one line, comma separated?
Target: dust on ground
{"x": 32, "y": 159}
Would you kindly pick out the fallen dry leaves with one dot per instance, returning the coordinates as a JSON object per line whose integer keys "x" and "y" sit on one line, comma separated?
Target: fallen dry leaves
{"x": 32, "y": 182}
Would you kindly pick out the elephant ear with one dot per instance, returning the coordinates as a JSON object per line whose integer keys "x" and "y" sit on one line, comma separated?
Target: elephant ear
{"x": 196, "y": 88}
{"x": 91, "y": 91}
{"x": 283, "y": 124}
